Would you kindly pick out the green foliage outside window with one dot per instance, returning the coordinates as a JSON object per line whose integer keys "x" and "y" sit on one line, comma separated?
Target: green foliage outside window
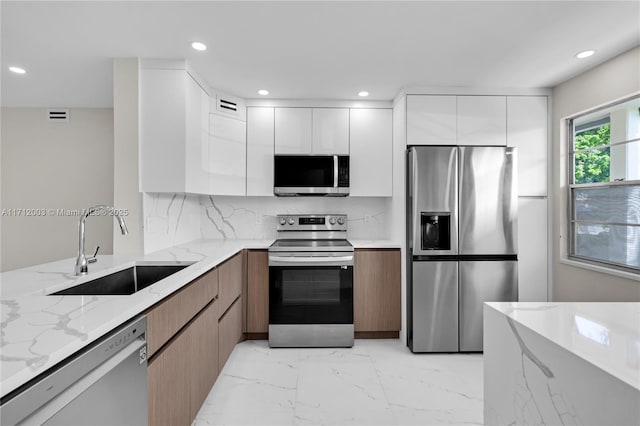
{"x": 592, "y": 166}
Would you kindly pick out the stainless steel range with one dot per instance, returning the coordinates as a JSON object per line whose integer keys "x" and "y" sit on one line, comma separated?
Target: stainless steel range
{"x": 311, "y": 282}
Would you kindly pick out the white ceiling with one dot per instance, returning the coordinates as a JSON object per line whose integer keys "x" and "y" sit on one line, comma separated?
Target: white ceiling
{"x": 308, "y": 50}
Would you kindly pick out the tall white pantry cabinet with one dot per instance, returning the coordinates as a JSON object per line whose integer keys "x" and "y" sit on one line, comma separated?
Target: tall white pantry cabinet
{"x": 519, "y": 121}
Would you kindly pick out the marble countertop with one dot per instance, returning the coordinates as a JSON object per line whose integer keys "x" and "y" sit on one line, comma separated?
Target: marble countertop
{"x": 605, "y": 334}
{"x": 375, "y": 244}
{"x": 39, "y": 330}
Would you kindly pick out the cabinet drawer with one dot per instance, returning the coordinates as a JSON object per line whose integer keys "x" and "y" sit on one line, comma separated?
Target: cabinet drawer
{"x": 230, "y": 278}
{"x": 183, "y": 372}
{"x": 229, "y": 332}
{"x": 166, "y": 318}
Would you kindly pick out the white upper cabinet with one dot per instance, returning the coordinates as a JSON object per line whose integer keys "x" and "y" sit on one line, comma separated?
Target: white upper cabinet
{"x": 371, "y": 158}
{"x": 482, "y": 120}
{"x": 293, "y": 130}
{"x": 311, "y": 131}
{"x": 330, "y": 131}
{"x": 527, "y": 131}
{"x": 197, "y": 164}
{"x": 174, "y": 131}
{"x": 227, "y": 155}
{"x": 431, "y": 120}
{"x": 260, "y": 148}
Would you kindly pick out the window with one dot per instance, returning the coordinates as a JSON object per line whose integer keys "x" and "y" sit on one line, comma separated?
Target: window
{"x": 604, "y": 186}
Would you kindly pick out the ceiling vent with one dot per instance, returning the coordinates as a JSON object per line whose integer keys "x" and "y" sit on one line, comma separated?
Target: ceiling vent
{"x": 227, "y": 105}
{"x": 59, "y": 115}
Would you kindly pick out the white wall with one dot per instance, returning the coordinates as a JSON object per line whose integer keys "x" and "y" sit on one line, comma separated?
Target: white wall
{"x": 54, "y": 165}
{"x": 125, "y": 161}
{"x": 172, "y": 219}
{"x": 603, "y": 84}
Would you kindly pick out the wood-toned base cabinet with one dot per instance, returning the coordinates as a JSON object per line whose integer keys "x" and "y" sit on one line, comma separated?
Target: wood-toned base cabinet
{"x": 182, "y": 373}
{"x": 257, "y": 291}
{"x": 229, "y": 332}
{"x": 376, "y": 290}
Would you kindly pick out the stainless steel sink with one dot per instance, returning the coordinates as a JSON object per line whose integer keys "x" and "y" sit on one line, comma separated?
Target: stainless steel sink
{"x": 124, "y": 282}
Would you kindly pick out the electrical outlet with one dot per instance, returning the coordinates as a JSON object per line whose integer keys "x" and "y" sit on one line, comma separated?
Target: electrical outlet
{"x": 258, "y": 218}
{"x": 367, "y": 219}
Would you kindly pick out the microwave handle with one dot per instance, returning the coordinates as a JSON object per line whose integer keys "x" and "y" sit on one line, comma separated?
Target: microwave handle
{"x": 335, "y": 171}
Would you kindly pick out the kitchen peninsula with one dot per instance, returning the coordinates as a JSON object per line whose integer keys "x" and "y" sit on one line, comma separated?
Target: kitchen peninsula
{"x": 562, "y": 363}
{"x": 40, "y": 330}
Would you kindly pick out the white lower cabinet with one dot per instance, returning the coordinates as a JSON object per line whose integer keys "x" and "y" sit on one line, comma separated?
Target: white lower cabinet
{"x": 371, "y": 153}
{"x": 532, "y": 249}
{"x": 227, "y": 155}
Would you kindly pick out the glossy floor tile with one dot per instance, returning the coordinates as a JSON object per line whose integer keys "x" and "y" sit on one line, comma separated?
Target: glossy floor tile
{"x": 377, "y": 382}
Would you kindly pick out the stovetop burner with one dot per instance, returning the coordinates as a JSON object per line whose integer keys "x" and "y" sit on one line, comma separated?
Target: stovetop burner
{"x": 311, "y": 233}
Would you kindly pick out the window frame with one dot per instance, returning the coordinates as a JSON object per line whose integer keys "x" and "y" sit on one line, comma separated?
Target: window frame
{"x": 571, "y": 185}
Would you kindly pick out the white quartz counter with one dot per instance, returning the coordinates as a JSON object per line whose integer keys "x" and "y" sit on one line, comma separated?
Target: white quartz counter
{"x": 38, "y": 330}
{"x": 562, "y": 363}
{"x": 379, "y": 244}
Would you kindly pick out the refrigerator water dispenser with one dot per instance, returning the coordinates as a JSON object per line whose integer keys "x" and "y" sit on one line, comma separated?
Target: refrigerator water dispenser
{"x": 436, "y": 231}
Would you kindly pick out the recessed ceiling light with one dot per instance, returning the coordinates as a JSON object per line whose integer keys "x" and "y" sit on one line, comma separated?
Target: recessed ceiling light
{"x": 585, "y": 54}
{"x": 199, "y": 46}
{"x": 363, "y": 94}
{"x": 263, "y": 92}
{"x": 17, "y": 70}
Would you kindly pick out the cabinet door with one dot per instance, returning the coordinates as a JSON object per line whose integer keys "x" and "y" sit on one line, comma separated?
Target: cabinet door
{"x": 198, "y": 167}
{"x": 527, "y": 131}
{"x": 258, "y": 291}
{"x": 203, "y": 355}
{"x": 230, "y": 281}
{"x": 482, "y": 120}
{"x": 532, "y": 249}
{"x": 229, "y": 332}
{"x": 181, "y": 375}
{"x": 330, "y": 131}
{"x": 260, "y": 127}
{"x": 293, "y": 130}
{"x": 162, "y": 130}
{"x": 371, "y": 159}
{"x": 168, "y": 376}
{"x": 166, "y": 318}
{"x": 431, "y": 120}
{"x": 376, "y": 290}
{"x": 228, "y": 145}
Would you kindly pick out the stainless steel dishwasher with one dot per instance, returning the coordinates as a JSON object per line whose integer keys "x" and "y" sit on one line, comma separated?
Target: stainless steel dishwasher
{"x": 104, "y": 384}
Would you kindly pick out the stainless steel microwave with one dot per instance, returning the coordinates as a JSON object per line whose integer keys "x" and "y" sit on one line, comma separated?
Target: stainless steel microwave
{"x": 296, "y": 175}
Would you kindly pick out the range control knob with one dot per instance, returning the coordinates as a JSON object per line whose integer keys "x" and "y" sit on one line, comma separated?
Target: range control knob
{"x": 332, "y": 220}
{"x": 291, "y": 221}
{"x": 283, "y": 221}
{"x": 341, "y": 220}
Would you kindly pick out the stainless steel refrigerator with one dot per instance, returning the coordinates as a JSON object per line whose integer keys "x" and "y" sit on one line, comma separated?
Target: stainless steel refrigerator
{"x": 462, "y": 237}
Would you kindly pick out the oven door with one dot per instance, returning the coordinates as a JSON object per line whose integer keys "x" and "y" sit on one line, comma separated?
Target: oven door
{"x": 308, "y": 293}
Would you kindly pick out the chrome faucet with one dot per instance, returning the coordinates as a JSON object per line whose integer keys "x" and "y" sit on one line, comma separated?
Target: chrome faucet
{"x": 82, "y": 261}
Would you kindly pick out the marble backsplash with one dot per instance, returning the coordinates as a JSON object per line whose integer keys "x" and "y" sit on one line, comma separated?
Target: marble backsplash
{"x": 171, "y": 219}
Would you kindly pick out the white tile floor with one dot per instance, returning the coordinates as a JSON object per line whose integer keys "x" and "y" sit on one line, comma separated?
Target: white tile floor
{"x": 377, "y": 382}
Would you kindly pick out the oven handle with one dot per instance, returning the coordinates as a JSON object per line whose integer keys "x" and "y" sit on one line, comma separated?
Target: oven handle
{"x": 311, "y": 260}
